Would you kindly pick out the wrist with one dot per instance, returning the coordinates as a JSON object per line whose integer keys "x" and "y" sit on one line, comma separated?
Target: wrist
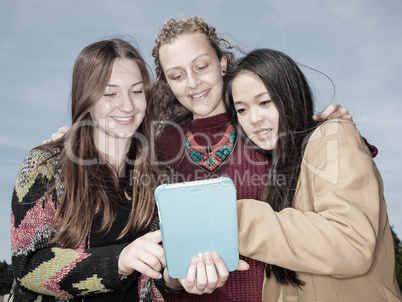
{"x": 170, "y": 282}
{"x": 122, "y": 269}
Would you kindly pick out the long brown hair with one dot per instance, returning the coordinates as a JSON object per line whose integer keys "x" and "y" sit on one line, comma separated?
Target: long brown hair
{"x": 167, "y": 107}
{"x": 91, "y": 184}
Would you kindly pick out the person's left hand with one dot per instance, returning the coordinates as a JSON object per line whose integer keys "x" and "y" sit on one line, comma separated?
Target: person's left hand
{"x": 333, "y": 111}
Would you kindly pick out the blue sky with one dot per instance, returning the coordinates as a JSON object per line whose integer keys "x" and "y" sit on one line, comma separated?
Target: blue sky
{"x": 356, "y": 43}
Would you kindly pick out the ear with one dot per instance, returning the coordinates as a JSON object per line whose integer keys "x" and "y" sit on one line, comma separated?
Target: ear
{"x": 224, "y": 63}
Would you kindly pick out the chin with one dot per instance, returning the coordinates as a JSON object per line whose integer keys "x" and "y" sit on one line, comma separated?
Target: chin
{"x": 124, "y": 134}
{"x": 265, "y": 146}
{"x": 205, "y": 110}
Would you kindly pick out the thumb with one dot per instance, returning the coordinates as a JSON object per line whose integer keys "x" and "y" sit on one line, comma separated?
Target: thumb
{"x": 243, "y": 266}
{"x": 155, "y": 236}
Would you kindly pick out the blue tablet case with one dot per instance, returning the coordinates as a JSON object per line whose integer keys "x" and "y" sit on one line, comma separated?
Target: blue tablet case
{"x": 196, "y": 217}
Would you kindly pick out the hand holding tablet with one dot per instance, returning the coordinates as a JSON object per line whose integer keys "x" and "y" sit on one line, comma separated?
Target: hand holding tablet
{"x": 198, "y": 217}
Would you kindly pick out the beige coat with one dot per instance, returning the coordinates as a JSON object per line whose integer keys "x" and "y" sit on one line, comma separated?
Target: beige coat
{"x": 337, "y": 236}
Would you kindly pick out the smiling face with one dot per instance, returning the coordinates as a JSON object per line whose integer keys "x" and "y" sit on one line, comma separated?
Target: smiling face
{"x": 121, "y": 109}
{"x": 194, "y": 74}
{"x": 255, "y": 110}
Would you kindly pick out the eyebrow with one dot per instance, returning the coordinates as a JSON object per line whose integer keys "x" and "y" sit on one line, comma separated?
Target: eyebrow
{"x": 195, "y": 59}
{"x": 114, "y": 85}
{"x": 255, "y": 97}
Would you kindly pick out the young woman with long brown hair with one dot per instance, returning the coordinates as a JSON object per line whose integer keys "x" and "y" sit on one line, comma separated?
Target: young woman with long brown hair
{"x": 80, "y": 212}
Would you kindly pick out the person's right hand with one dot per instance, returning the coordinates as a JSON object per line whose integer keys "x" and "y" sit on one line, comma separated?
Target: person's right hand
{"x": 206, "y": 273}
{"x": 333, "y": 111}
{"x": 144, "y": 255}
{"x": 55, "y": 136}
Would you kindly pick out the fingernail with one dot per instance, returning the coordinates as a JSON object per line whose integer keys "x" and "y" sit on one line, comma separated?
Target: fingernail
{"x": 208, "y": 258}
{"x": 200, "y": 259}
{"x": 215, "y": 255}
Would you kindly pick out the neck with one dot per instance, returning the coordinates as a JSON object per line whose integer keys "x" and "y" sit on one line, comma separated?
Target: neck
{"x": 218, "y": 110}
{"x": 114, "y": 148}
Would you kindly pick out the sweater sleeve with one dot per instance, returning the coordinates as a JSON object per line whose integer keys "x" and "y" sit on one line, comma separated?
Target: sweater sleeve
{"x": 41, "y": 268}
{"x": 373, "y": 149}
{"x": 334, "y": 228}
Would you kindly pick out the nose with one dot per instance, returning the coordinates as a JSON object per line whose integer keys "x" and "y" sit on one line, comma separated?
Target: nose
{"x": 255, "y": 116}
{"x": 192, "y": 80}
{"x": 126, "y": 104}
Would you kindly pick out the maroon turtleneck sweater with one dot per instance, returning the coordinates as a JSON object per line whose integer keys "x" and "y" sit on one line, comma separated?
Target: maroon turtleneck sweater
{"x": 246, "y": 168}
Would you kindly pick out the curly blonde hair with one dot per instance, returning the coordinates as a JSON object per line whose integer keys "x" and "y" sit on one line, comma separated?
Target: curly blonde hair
{"x": 167, "y": 107}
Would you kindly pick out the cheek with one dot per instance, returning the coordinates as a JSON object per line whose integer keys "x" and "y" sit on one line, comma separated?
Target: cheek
{"x": 142, "y": 105}
{"x": 244, "y": 124}
{"x": 101, "y": 109}
{"x": 217, "y": 78}
{"x": 274, "y": 116}
{"x": 174, "y": 87}
{"x": 95, "y": 113}
{"x": 241, "y": 120}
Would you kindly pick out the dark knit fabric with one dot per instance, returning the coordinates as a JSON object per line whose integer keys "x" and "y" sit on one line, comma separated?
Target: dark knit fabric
{"x": 45, "y": 272}
{"x": 373, "y": 149}
{"x": 109, "y": 237}
{"x": 246, "y": 168}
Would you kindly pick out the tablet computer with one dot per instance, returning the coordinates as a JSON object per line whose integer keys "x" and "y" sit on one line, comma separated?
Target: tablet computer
{"x": 196, "y": 217}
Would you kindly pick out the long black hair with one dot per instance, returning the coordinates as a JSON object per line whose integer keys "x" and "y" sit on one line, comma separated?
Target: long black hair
{"x": 292, "y": 96}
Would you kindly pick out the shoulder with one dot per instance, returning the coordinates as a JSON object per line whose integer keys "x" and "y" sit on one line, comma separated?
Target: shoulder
{"x": 174, "y": 132}
{"x": 169, "y": 142}
{"x": 37, "y": 158}
{"x": 334, "y": 149}
{"x": 38, "y": 164}
{"x": 332, "y": 128}
{"x": 339, "y": 133}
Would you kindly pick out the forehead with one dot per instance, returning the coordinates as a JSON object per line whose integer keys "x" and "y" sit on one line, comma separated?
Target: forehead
{"x": 125, "y": 68}
{"x": 247, "y": 87}
{"x": 249, "y": 79}
{"x": 185, "y": 48}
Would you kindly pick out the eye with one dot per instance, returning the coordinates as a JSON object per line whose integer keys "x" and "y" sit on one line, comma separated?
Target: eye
{"x": 176, "y": 76}
{"x": 265, "y": 103}
{"x": 240, "y": 110}
{"x": 109, "y": 95}
{"x": 201, "y": 68}
{"x": 138, "y": 91}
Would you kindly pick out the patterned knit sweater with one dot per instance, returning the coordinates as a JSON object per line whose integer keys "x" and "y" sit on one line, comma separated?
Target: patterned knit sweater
{"x": 45, "y": 272}
{"x": 246, "y": 168}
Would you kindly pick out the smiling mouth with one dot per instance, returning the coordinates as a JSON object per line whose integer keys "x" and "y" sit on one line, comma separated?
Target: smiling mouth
{"x": 122, "y": 119}
{"x": 263, "y": 132}
{"x": 198, "y": 96}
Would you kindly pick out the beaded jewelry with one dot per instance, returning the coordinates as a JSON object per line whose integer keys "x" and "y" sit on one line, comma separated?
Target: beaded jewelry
{"x": 210, "y": 158}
